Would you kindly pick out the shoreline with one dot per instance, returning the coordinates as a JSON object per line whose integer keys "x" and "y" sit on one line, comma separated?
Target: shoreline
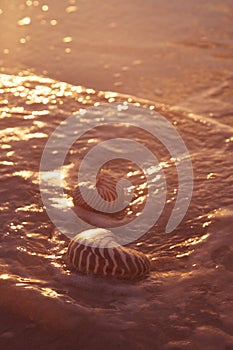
{"x": 163, "y": 51}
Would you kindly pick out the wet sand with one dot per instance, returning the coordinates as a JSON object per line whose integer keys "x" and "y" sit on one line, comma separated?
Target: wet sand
{"x": 160, "y": 50}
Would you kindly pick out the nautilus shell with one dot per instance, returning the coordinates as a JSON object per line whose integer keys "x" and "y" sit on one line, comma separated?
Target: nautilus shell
{"x": 107, "y": 188}
{"x": 97, "y": 252}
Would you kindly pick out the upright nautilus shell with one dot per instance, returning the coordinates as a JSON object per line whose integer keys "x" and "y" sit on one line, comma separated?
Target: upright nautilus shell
{"x": 97, "y": 251}
{"x": 107, "y": 188}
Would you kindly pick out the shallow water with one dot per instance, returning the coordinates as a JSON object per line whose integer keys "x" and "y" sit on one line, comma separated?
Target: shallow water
{"x": 185, "y": 303}
{"x": 178, "y": 54}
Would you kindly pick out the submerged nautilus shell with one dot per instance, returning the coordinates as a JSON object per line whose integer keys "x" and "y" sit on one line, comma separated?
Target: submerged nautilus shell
{"x": 107, "y": 188}
{"x": 97, "y": 251}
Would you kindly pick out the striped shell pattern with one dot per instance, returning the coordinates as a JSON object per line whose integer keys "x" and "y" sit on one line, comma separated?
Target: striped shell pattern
{"x": 97, "y": 251}
{"x": 106, "y": 188}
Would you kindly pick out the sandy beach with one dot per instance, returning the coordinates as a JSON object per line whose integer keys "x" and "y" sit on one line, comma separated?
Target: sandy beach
{"x": 160, "y": 50}
{"x": 173, "y": 58}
